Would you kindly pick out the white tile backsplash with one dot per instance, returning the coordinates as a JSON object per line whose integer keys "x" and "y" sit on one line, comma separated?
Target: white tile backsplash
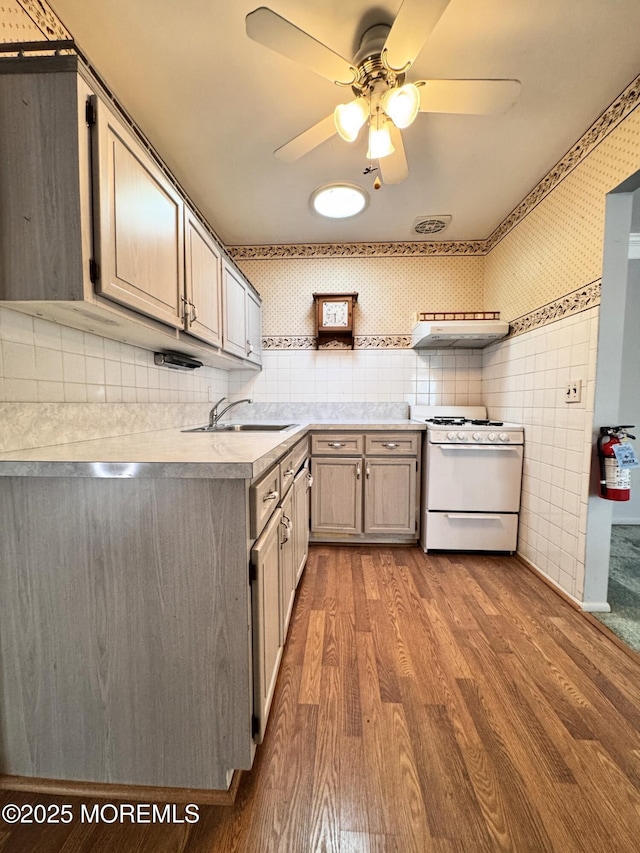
{"x": 377, "y": 376}
{"x": 42, "y": 362}
{"x": 523, "y": 382}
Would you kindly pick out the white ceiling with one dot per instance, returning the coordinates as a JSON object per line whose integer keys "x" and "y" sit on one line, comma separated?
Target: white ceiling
{"x": 216, "y": 105}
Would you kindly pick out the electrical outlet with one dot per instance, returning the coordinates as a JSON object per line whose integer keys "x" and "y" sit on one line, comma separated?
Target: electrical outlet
{"x": 573, "y": 391}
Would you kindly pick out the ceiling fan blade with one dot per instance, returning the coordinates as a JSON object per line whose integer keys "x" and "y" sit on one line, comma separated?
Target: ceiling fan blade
{"x": 394, "y": 168}
{"x": 471, "y": 97}
{"x": 275, "y": 32}
{"x": 306, "y": 141}
{"x": 412, "y": 27}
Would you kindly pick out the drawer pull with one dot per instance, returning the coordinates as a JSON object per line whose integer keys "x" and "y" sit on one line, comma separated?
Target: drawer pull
{"x": 390, "y": 445}
{"x": 270, "y": 496}
{"x": 337, "y": 444}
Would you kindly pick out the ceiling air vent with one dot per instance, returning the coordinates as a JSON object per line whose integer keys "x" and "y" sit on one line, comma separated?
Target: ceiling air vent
{"x": 430, "y": 224}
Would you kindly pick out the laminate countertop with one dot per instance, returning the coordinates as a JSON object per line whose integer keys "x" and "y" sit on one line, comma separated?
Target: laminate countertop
{"x": 171, "y": 453}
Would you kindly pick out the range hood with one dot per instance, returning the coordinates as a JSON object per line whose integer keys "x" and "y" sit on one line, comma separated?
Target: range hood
{"x": 471, "y": 334}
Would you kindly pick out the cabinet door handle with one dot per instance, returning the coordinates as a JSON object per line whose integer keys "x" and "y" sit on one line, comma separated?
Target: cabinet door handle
{"x": 249, "y": 347}
{"x": 368, "y": 471}
{"x": 390, "y": 445}
{"x": 194, "y": 312}
{"x": 286, "y": 533}
{"x": 270, "y": 496}
{"x": 183, "y": 308}
{"x": 337, "y": 444}
{"x": 358, "y": 471}
{"x": 289, "y": 472}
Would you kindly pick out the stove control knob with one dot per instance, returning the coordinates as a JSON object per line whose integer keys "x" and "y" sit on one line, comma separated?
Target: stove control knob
{"x": 503, "y": 436}
{"x": 476, "y": 436}
{"x": 462, "y": 436}
{"x": 492, "y": 436}
{"x": 451, "y": 436}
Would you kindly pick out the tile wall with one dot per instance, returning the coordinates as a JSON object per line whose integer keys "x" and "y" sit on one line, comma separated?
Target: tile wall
{"x": 42, "y": 362}
{"x": 430, "y": 377}
{"x": 524, "y": 381}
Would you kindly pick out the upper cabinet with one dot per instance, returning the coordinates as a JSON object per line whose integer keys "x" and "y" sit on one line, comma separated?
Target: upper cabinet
{"x": 139, "y": 225}
{"x": 202, "y": 303}
{"x": 242, "y": 334}
{"x": 96, "y": 233}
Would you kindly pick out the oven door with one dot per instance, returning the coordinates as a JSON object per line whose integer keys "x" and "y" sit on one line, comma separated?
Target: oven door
{"x": 473, "y": 478}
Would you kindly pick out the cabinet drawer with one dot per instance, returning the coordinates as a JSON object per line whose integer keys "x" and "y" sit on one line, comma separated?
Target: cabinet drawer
{"x": 469, "y": 531}
{"x": 337, "y": 444}
{"x": 392, "y": 444}
{"x": 290, "y": 465}
{"x": 264, "y": 497}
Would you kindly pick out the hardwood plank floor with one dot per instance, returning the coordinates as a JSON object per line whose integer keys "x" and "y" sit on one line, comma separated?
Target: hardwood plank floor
{"x": 441, "y": 703}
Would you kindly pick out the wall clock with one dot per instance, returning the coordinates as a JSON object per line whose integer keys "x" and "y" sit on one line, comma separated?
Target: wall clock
{"x": 334, "y": 319}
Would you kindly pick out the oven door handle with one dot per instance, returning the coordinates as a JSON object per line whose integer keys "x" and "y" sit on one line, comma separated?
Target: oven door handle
{"x": 475, "y": 515}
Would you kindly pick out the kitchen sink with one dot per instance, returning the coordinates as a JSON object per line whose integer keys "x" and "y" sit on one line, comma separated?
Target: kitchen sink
{"x": 242, "y": 428}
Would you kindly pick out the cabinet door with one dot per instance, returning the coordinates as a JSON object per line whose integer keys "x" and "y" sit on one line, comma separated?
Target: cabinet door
{"x": 203, "y": 283}
{"x": 265, "y": 604}
{"x": 300, "y": 521}
{"x": 390, "y": 496}
{"x": 234, "y": 299}
{"x": 336, "y": 497}
{"x": 254, "y": 327}
{"x": 140, "y": 225}
{"x": 287, "y": 567}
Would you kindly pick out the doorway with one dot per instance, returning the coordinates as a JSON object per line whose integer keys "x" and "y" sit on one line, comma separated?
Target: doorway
{"x": 612, "y": 560}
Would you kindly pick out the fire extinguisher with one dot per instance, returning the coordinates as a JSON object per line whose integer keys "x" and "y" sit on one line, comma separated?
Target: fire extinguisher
{"x": 615, "y": 477}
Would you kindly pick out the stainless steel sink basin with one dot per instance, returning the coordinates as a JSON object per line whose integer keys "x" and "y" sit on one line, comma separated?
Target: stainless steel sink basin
{"x": 242, "y": 428}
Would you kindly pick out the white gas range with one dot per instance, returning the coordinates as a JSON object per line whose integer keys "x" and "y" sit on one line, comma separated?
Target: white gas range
{"x": 471, "y": 479}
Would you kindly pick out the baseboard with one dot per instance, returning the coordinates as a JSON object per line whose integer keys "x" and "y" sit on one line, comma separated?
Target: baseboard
{"x": 570, "y": 599}
{"x": 625, "y": 521}
{"x": 126, "y": 793}
{"x": 582, "y": 607}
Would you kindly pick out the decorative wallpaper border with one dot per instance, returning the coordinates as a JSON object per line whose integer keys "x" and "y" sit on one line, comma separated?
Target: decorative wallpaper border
{"x": 297, "y": 342}
{"x": 623, "y": 105}
{"x": 355, "y": 250}
{"x": 572, "y": 303}
{"x": 45, "y": 19}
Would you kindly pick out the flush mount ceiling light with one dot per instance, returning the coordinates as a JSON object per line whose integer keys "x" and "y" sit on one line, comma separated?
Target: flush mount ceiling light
{"x": 338, "y": 201}
{"x": 377, "y": 78}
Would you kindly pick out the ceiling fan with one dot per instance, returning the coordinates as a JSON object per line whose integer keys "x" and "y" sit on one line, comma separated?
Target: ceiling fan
{"x": 384, "y": 99}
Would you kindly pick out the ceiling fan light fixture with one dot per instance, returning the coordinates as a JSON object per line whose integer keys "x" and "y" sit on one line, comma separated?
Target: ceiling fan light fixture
{"x": 380, "y": 144}
{"x": 349, "y": 118}
{"x": 339, "y": 201}
{"x": 402, "y": 104}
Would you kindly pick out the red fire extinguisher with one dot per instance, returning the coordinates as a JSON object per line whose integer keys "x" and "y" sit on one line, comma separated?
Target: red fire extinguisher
{"x": 615, "y": 478}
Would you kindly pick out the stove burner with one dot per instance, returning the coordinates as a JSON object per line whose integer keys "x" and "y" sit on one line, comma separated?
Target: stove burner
{"x": 444, "y": 421}
{"x": 461, "y": 421}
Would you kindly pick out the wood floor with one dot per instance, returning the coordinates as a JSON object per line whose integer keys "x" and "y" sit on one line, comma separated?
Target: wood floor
{"x": 425, "y": 703}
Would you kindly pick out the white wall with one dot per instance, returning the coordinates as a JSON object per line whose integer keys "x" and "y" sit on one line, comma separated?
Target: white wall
{"x": 375, "y": 376}
{"x": 629, "y": 511}
{"x": 42, "y": 362}
{"x": 524, "y": 382}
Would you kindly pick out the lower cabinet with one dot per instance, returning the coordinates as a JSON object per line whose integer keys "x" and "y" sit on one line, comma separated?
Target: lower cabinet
{"x": 265, "y": 607}
{"x": 365, "y": 487}
{"x": 278, "y": 557}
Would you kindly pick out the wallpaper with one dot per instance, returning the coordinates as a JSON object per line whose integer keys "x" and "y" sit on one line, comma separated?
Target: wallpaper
{"x": 557, "y": 247}
{"x": 390, "y": 290}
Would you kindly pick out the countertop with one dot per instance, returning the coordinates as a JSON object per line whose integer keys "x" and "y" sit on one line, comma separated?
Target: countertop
{"x": 171, "y": 453}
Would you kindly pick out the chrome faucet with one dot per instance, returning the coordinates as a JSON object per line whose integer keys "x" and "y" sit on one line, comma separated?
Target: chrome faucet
{"x": 214, "y": 415}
